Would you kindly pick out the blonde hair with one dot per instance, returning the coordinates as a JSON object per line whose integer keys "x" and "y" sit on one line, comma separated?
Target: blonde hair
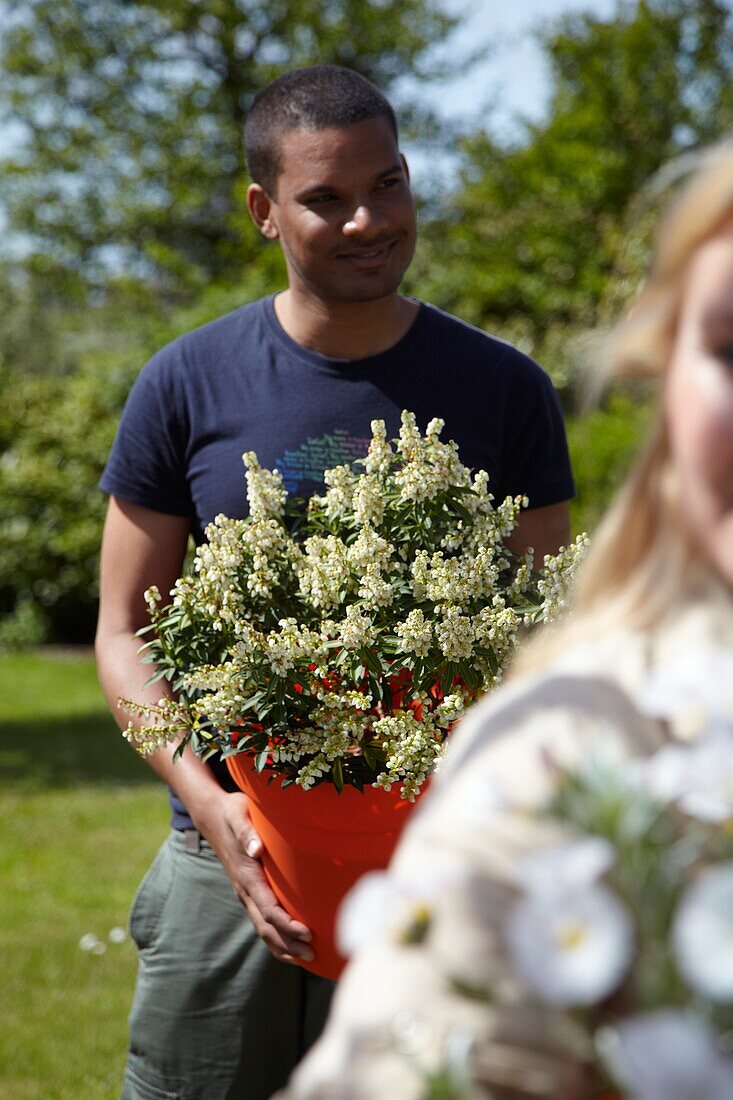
{"x": 643, "y": 562}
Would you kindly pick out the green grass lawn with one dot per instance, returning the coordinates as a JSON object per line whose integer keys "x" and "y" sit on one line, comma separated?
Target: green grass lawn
{"x": 81, "y": 818}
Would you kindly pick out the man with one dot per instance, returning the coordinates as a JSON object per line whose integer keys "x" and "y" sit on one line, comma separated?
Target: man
{"x": 296, "y": 377}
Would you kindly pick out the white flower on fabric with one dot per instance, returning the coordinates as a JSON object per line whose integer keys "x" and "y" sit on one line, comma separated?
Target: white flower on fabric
{"x": 566, "y": 867}
{"x": 480, "y": 798}
{"x": 695, "y": 687}
{"x": 666, "y": 1055}
{"x": 699, "y": 778}
{"x": 572, "y": 948}
{"x": 381, "y": 906}
{"x": 702, "y": 933}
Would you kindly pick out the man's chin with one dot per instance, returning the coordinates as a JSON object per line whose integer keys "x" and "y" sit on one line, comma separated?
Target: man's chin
{"x": 365, "y": 291}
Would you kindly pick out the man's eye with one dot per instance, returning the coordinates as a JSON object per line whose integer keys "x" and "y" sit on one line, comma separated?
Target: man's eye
{"x": 391, "y": 182}
{"x": 318, "y": 200}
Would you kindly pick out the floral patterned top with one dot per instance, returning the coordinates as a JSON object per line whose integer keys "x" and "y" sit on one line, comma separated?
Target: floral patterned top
{"x": 406, "y": 1021}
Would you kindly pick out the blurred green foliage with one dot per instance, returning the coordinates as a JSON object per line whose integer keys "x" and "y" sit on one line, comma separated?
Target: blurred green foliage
{"x": 55, "y": 434}
{"x": 132, "y": 117}
{"x": 128, "y": 188}
{"x": 603, "y": 445}
{"x": 532, "y": 242}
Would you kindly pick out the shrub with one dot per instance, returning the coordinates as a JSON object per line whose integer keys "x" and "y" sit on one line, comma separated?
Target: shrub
{"x": 603, "y": 445}
{"x": 55, "y": 434}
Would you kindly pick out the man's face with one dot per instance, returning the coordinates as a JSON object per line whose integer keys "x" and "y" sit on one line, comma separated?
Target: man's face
{"x": 344, "y": 212}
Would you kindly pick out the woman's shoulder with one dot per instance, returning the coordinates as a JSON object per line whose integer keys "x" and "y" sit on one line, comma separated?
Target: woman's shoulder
{"x": 590, "y": 697}
{"x": 594, "y": 680}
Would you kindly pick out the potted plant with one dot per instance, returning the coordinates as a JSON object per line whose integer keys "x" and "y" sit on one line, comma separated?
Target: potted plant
{"x": 326, "y": 648}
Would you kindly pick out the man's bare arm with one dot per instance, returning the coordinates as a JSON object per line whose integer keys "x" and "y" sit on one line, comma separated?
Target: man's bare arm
{"x": 546, "y": 529}
{"x": 141, "y": 548}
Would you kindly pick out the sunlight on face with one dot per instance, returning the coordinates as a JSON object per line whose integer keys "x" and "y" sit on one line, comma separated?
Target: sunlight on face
{"x": 699, "y": 399}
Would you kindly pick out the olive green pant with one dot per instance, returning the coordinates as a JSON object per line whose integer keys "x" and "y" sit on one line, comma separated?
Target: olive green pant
{"x": 215, "y": 1016}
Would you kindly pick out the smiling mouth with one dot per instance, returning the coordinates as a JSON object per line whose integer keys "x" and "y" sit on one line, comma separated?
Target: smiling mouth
{"x": 369, "y": 257}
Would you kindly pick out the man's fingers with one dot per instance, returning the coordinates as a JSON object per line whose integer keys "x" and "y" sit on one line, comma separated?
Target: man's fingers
{"x": 286, "y": 938}
{"x": 282, "y": 946}
{"x": 249, "y": 841}
{"x": 265, "y": 901}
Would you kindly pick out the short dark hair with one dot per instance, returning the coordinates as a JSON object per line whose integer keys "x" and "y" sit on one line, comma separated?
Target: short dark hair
{"x": 315, "y": 98}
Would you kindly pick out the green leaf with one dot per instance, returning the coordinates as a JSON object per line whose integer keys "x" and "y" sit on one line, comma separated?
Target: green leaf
{"x": 372, "y": 661}
{"x": 337, "y": 772}
{"x": 370, "y": 757}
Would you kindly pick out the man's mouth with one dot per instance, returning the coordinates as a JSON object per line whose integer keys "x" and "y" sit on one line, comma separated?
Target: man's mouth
{"x": 369, "y": 257}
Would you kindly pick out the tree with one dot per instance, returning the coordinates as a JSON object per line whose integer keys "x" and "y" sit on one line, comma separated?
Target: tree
{"x": 529, "y": 244}
{"x": 130, "y": 114}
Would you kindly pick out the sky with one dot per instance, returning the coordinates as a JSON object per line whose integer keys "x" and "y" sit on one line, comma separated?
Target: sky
{"x": 510, "y": 84}
{"x": 513, "y": 76}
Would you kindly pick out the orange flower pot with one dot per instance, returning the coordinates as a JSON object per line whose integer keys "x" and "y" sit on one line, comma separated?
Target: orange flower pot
{"x": 317, "y": 843}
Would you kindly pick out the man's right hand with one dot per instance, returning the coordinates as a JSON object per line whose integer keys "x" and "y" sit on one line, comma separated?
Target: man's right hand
{"x": 226, "y": 825}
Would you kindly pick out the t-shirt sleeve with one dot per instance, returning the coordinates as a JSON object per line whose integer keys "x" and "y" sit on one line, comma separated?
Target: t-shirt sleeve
{"x": 536, "y": 459}
{"x": 146, "y": 465}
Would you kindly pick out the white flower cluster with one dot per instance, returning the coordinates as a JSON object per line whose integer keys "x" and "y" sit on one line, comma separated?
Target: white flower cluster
{"x": 415, "y": 633}
{"x": 338, "y": 727}
{"x": 338, "y": 499}
{"x": 380, "y": 454}
{"x": 240, "y": 561}
{"x": 369, "y": 500}
{"x": 325, "y": 571}
{"x": 455, "y": 580}
{"x": 559, "y": 571}
{"x": 429, "y": 465}
{"x": 356, "y": 630}
{"x": 375, "y": 591}
{"x": 326, "y": 639}
{"x": 412, "y": 747}
{"x": 170, "y": 721}
{"x": 290, "y": 646}
{"x": 265, "y": 490}
{"x": 455, "y": 635}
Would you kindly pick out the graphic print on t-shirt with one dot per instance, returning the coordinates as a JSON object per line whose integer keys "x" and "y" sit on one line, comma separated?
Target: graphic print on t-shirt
{"x": 304, "y": 467}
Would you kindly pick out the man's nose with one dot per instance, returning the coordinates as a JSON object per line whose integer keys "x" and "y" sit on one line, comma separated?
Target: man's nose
{"x": 363, "y": 219}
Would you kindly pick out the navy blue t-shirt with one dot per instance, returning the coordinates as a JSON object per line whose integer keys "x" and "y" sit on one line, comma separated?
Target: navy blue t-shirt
{"x": 242, "y": 384}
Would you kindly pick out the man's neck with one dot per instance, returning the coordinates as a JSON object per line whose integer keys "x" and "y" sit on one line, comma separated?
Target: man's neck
{"x": 353, "y": 330}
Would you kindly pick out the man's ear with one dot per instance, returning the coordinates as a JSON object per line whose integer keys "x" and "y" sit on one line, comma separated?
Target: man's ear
{"x": 260, "y": 206}
{"x": 405, "y": 167}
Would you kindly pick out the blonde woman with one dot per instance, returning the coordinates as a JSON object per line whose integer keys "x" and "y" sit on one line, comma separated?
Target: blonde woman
{"x": 657, "y": 587}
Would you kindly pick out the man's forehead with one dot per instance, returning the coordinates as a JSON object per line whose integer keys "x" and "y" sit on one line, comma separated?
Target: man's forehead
{"x": 361, "y": 148}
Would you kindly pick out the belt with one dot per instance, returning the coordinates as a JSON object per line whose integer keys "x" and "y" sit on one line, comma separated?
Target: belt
{"x": 192, "y": 840}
